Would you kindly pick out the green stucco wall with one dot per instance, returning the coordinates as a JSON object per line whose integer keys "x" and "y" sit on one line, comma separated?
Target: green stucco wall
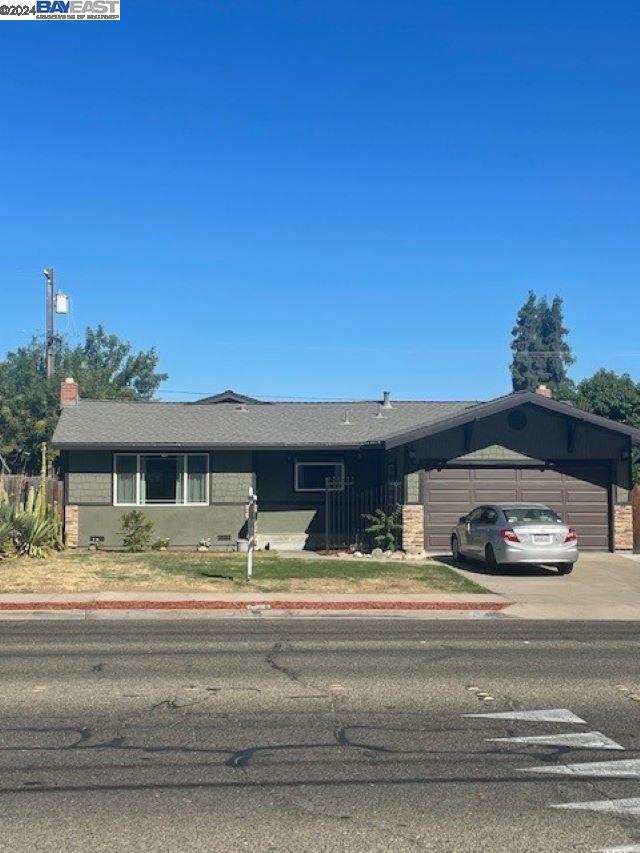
{"x": 89, "y": 485}
{"x": 184, "y": 526}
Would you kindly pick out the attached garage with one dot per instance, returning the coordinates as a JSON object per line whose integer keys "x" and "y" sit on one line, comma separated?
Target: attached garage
{"x": 579, "y": 493}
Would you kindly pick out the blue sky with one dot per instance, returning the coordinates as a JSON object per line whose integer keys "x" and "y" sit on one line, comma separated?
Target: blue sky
{"x": 324, "y": 199}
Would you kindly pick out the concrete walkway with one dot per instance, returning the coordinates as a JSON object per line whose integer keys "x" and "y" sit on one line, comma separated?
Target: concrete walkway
{"x": 601, "y": 586}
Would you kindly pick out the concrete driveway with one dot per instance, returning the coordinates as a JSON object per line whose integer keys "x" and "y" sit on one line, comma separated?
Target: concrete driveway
{"x": 601, "y": 586}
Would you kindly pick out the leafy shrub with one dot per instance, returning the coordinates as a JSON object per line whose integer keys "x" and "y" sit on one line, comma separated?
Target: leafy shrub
{"x": 135, "y": 529}
{"x": 161, "y": 544}
{"x": 383, "y": 526}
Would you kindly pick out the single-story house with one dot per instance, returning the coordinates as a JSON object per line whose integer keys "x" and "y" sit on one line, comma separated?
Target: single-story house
{"x": 190, "y": 466}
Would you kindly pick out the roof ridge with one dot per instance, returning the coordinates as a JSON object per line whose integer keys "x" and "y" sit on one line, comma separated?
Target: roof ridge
{"x": 283, "y": 402}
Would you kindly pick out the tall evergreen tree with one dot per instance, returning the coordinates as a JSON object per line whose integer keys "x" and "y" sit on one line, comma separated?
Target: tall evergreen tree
{"x": 526, "y": 346}
{"x": 541, "y": 353}
{"x": 554, "y": 339}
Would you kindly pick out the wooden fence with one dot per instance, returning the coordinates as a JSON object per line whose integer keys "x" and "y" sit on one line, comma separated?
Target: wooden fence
{"x": 17, "y": 486}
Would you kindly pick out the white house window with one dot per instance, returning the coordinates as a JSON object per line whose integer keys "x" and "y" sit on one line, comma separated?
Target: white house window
{"x": 161, "y": 479}
{"x": 312, "y": 476}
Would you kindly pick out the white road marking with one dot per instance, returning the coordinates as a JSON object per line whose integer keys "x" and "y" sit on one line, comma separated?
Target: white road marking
{"x": 630, "y": 806}
{"x": 627, "y": 768}
{"x": 551, "y": 715}
{"x": 581, "y": 740}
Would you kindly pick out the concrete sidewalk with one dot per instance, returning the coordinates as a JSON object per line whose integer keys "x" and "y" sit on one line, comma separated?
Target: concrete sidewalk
{"x": 139, "y": 604}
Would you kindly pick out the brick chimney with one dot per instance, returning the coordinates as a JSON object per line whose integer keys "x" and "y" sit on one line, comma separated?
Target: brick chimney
{"x": 544, "y": 391}
{"x": 69, "y": 392}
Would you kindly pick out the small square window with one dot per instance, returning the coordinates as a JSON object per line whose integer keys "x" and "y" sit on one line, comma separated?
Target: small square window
{"x": 316, "y": 476}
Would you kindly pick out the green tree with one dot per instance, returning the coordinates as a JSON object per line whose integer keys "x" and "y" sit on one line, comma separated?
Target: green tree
{"x": 541, "y": 353}
{"x": 612, "y": 395}
{"x": 554, "y": 343}
{"x": 526, "y": 346}
{"x": 105, "y": 368}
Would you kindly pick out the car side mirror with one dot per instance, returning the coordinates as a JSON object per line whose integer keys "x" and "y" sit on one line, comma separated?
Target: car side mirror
{"x": 463, "y": 519}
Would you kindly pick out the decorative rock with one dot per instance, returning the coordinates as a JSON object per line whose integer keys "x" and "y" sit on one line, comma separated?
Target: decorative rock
{"x": 202, "y": 548}
{"x": 357, "y": 553}
{"x": 377, "y": 552}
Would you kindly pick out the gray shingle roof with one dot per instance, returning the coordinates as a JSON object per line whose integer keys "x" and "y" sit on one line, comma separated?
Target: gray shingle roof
{"x": 137, "y": 424}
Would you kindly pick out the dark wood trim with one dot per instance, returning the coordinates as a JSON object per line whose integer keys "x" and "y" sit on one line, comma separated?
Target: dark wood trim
{"x": 552, "y": 464}
{"x": 503, "y": 404}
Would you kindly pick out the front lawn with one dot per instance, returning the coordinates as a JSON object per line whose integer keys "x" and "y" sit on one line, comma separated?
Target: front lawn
{"x": 175, "y": 571}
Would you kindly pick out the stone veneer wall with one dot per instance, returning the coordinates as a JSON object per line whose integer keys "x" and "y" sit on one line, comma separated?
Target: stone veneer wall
{"x": 413, "y": 528}
{"x": 623, "y": 527}
{"x": 71, "y": 525}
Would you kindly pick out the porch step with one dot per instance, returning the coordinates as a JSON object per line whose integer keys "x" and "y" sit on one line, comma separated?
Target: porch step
{"x": 283, "y": 541}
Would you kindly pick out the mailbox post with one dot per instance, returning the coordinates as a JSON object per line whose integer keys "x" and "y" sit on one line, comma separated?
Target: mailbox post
{"x": 252, "y": 520}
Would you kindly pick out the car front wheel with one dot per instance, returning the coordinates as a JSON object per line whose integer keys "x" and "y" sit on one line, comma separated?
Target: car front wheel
{"x": 565, "y": 568}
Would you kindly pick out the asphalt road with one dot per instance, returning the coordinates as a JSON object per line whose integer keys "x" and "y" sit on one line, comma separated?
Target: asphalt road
{"x": 310, "y": 735}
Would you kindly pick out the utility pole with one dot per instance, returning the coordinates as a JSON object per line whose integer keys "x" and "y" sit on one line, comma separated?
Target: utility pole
{"x": 50, "y": 331}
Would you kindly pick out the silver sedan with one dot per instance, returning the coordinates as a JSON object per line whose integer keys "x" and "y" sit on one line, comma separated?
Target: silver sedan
{"x": 515, "y": 533}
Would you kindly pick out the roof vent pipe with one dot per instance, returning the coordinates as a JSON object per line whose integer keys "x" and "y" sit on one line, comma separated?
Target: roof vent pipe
{"x": 345, "y": 417}
{"x": 386, "y": 400}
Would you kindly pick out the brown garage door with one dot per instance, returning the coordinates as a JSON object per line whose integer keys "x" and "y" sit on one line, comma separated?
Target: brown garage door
{"x": 579, "y": 495}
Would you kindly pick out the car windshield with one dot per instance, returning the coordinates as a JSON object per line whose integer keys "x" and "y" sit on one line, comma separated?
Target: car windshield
{"x": 531, "y": 515}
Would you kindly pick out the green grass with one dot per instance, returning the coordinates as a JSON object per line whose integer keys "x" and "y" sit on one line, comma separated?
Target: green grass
{"x": 276, "y": 571}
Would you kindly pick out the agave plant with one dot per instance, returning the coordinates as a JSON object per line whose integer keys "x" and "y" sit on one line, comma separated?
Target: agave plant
{"x": 34, "y": 536}
{"x": 32, "y": 527}
{"x": 7, "y": 531}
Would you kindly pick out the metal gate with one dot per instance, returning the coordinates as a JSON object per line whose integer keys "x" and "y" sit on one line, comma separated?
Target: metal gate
{"x": 345, "y": 509}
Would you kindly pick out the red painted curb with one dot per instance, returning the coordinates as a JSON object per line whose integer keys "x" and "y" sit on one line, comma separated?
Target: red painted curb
{"x": 254, "y": 605}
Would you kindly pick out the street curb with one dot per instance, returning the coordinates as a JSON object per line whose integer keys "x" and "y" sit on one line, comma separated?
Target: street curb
{"x": 253, "y": 606}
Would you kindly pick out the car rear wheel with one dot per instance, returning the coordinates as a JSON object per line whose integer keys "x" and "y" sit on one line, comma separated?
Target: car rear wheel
{"x": 455, "y": 549}
{"x": 564, "y": 568}
{"x": 490, "y": 558}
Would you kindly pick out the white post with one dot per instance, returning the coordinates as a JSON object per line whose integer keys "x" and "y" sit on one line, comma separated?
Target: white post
{"x": 252, "y": 512}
